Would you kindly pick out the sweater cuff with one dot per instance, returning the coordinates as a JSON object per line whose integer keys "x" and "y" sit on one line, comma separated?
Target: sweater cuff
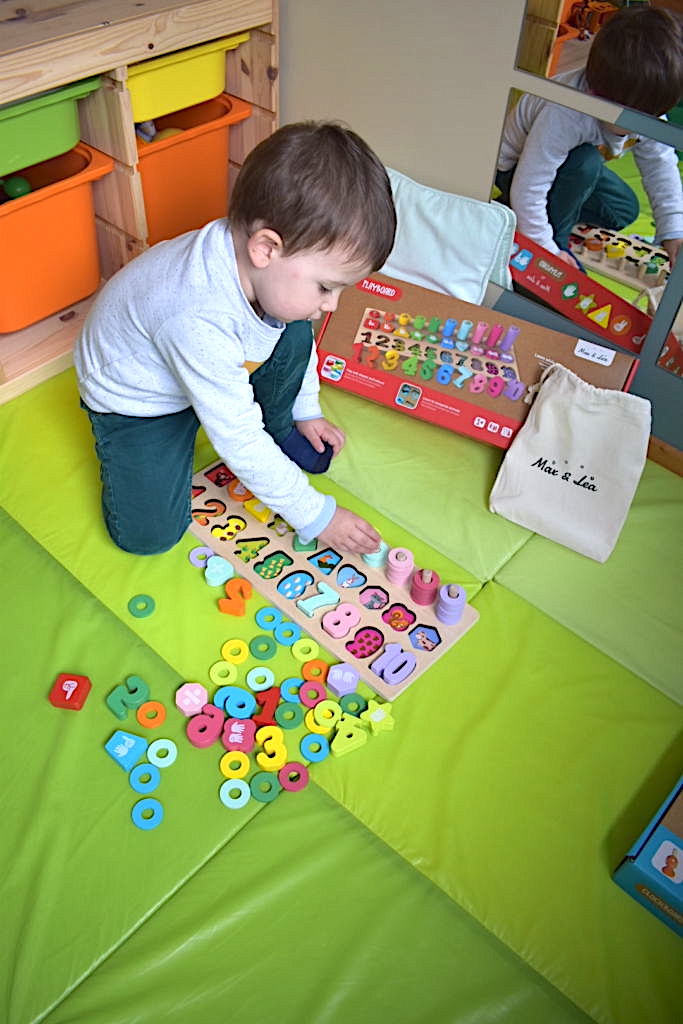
{"x": 322, "y": 520}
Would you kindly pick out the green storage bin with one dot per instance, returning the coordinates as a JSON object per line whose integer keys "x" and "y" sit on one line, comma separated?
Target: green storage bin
{"x": 41, "y": 127}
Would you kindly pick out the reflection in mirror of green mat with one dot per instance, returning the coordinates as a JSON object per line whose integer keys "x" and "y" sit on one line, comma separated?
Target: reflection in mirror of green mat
{"x": 306, "y": 916}
{"x": 519, "y": 770}
{"x": 634, "y": 595}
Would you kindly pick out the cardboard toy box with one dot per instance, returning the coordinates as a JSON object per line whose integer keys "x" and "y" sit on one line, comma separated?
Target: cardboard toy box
{"x": 461, "y": 366}
{"x": 652, "y": 870}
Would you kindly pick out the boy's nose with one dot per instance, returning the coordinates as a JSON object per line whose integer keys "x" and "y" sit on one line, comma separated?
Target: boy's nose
{"x": 330, "y": 302}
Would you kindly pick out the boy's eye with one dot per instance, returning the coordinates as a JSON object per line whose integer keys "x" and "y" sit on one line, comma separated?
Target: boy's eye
{"x": 324, "y": 290}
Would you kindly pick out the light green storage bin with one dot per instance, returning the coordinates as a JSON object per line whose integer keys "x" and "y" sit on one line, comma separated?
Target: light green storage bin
{"x": 41, "y": 127}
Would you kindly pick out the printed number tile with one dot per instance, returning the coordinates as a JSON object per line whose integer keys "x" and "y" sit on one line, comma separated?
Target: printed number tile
{"x": 70, "y": 691}
{"x": 190, "y": 698}
{"x": 126, "y": 748}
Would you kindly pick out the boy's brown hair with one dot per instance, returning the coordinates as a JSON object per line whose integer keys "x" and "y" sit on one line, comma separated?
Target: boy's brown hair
{"x": 317, "y": 184}
{"x": 636, "y": 60}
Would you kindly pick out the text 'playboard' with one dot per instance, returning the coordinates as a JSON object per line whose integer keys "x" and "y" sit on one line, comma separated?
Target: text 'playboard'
{"x": 389, "y": 631}
{"x": 464, "y": 367}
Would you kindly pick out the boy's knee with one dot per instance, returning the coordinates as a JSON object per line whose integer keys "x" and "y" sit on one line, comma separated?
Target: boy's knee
{"x": 143, "y": 539}
{"x": 584, "y": 164}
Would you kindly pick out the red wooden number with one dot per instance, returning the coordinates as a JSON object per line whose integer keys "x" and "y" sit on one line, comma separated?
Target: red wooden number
{"x": 269, "y": 700}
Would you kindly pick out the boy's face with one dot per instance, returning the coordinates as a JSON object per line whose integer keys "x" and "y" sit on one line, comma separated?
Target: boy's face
{"x": 307, "y": 284}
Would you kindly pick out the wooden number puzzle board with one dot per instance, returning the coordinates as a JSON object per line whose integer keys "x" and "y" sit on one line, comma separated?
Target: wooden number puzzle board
{"x": 264, "y": 549}
{"x": 620, "y": 257}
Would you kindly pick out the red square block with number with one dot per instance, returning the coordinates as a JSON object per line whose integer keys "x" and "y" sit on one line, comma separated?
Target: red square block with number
{"x": 70, "y": 691}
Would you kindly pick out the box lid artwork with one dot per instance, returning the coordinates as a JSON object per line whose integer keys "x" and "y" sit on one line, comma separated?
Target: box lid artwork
{"x": 652, "y": 870}
{"x": 461, "y": 366}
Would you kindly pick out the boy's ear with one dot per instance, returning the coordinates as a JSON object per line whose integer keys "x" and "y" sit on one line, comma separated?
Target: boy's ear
{"x": 263, "y": 246}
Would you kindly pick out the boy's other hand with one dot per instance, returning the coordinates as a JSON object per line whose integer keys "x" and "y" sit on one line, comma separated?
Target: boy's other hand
{"x": 348, "y": 532}
{"x": 672, "y": 247}
{"x": 318, "y": 431}
{"x": 567, "y": 257}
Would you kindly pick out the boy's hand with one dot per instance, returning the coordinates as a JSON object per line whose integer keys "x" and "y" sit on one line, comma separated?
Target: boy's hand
{"x": 567, "y": 257}
{"x": 672, "y": 247}
{"x": 319, "y": 430}
{"x": 348, "y": 532}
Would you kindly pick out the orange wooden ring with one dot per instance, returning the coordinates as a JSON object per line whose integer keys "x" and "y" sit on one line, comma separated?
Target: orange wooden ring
{"x": 315, "y": 670}
{"x": 151, "y": 714}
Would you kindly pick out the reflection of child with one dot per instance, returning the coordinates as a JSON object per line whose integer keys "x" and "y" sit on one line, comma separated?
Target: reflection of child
{"x": 213, "y": 328}
{"x": 551, "y": 168}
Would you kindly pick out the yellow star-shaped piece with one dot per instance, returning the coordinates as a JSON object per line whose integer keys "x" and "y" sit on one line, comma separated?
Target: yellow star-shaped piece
{"x": 378, "y": 717}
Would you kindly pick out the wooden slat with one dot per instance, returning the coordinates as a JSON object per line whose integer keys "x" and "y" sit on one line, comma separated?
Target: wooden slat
{"x": 51, "y": 48}
{"x": 106, "y": 118}
{"x": 42, "y": 343}
{"x": 247, "y": 134}
{"x": 118, "y": 199}
{"x": 116, "y": 247}
{"x": 252, "y": 71}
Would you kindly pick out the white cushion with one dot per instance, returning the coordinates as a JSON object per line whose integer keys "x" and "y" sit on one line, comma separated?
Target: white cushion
{"x": 449, "y": 243}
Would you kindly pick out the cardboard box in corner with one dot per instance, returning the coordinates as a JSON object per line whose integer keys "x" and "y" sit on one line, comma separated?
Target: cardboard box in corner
{"x": 461, "y": 366}
{"x": 652, "y": 870}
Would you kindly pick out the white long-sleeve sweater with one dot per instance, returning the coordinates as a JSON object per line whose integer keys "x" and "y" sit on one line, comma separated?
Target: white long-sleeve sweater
{"x": 538, "y": 136}
{"x": 174, "y": 329}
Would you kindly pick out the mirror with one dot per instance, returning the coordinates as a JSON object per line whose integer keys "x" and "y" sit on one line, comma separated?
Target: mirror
{"x": 599, "y": 212}
{"x": 557, "y": 36}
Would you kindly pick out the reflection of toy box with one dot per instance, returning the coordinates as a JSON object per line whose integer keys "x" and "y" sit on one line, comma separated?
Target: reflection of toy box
{"x": 652, "y": 870}
{"x": 461, "y": 366}
{"x": 578, "y": 297}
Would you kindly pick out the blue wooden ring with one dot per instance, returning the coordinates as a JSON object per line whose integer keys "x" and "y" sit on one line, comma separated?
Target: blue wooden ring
{"x": 138, "y": 772}
{"x": 147, "y": 804}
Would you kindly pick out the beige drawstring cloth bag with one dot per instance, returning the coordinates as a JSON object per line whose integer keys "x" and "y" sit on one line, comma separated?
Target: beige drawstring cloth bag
{"x": 572, "y": 469}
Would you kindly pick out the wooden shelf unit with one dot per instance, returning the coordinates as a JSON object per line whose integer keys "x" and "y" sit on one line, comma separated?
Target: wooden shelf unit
{"x": 53, "y": 44}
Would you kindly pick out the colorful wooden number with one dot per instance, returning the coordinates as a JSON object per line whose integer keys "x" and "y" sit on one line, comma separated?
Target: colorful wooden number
{"x": 205, "y": 728}
{"x": 274, "y": 753}
{"x": 235, "y": 701}
{"x": 127, "y": 697}
{"x": 229, "y": 529}
{"x": 271, "y": 567}
{"x": 325, "y": 598}
{"x": 339, "y": 622}
{"x": 237, "y": 593}
{"x": 394, "y": 664}
{"x": 269, "y": 700}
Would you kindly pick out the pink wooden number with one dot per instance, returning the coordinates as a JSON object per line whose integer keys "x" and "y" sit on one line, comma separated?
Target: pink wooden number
{"x": 205, "y": 728}
{"x": 339, "y": 622}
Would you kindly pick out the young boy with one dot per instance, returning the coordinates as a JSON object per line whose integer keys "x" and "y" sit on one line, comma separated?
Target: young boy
{"x": 213, "y": 327}
{"x": 551, "y": 168}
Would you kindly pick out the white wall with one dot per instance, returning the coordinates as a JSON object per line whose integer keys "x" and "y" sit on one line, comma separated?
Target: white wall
{"x": 425, "y": 83}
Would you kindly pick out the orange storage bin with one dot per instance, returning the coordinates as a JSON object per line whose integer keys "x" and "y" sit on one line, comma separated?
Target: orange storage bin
{"x": 48, "y": 249}
{"x": 185, "y": 175}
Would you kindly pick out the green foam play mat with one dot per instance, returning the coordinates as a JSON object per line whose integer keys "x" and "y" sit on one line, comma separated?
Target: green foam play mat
{"x": 456, "y": 869}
